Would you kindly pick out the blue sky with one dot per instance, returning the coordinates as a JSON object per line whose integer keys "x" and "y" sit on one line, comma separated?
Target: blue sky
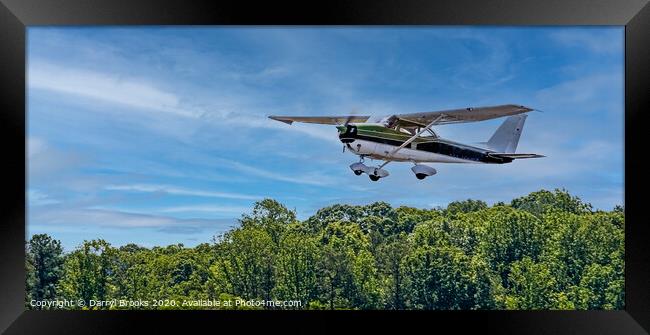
{"x": 159, "y": 135}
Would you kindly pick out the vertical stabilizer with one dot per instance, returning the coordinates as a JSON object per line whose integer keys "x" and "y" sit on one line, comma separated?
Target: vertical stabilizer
{"x": 505, "y": 139}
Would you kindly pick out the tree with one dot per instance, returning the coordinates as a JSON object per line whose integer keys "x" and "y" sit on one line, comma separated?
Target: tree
{"x": 580, "y": 240}
{"x": 549, "y": 250}
{"x": 465, "y": 206}
{"x": 44, "y": 260}
{"x": 509, "y": 236}
{"x": 602, "y": 287}
{"x": 543, "y": 201}
{"x": 297, "y": 260}
{"x": 408, "y": 218}
{"x": 440, "y": 277}
{"x": 271, "y": 216}
{"x": 347, "y": 265}
{"x": 88, "y": 272}
{"x": 531, "y": 285}
{"x": 245, "y": 263}
{"x": 466, "y": 231}
{"x": 332, "y": 214}
{"x": 133, "y": 273}
{"x": 390, "y": 257}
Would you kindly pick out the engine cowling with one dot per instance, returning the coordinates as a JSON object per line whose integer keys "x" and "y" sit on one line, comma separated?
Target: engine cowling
{"x": 423, "y": 171}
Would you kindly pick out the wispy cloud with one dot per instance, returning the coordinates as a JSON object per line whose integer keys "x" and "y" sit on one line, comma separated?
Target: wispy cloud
{"x": 601, "y": 42}
{"x": 313, "y": 178}
{"x": 109, "y": 88}
{"x": 45, "y": 160}
{"x": 168, "y": 189}
{"x": 586, "y": 94}
{"x": 207, "y": 208}
{"x": 220, "y": 110}
{"x": 294, "y": 175}
{"x": 38, "y": 198}
{"x": 118, "y": 219}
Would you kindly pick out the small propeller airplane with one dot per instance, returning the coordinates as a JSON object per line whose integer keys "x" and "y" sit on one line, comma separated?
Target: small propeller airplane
{"x": 411, "y": 138}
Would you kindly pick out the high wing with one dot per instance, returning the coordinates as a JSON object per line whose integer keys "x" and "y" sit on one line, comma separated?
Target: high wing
{"x": 416, "y": 120}
{"x": 336, "y": 120}
{"x": 470, "y": 114}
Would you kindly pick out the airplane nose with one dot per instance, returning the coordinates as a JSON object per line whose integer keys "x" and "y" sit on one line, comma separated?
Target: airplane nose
{"x": 348, "y": 135}
{"x": 345, "y": 138}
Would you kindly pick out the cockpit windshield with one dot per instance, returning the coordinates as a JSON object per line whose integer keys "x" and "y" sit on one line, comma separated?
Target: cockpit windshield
{"x": 378, "y": 118}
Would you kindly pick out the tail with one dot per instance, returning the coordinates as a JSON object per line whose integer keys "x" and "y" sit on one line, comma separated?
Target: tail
{"x": 506, "y": 138}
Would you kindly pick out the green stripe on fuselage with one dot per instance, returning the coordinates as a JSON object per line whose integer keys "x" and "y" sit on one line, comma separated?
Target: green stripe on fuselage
{"x": 382, "y": 132}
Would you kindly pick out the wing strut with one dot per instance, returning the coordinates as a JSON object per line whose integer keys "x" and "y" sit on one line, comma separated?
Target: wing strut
{"x": 411, "y": 139}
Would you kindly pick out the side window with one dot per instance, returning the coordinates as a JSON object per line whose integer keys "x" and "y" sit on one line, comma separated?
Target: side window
{"x": 444, "y": 149}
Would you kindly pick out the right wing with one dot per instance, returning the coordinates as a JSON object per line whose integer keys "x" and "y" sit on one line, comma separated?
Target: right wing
{"x": 335, "y": 120}
{"x": 459, "y": 115}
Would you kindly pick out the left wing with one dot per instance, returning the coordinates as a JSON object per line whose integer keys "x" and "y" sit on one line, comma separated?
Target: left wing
{"x": 471, "y": 114}
{"x": 336, "y": 120}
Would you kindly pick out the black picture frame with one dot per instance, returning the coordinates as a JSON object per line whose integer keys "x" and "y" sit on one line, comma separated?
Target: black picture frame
{"x": 17, "y": 15}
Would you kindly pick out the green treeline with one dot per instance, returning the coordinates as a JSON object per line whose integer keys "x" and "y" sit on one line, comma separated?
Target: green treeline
{"x": 546, "y": 250}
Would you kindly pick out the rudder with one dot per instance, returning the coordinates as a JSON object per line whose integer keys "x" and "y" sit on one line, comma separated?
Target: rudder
{"x": 506, "y": 137}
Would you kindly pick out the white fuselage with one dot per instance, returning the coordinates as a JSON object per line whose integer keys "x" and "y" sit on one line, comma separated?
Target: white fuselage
{"x": 382, "y": 151}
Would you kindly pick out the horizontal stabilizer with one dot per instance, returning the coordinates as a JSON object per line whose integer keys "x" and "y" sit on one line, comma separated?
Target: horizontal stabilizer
{"x": 514, "y": 156}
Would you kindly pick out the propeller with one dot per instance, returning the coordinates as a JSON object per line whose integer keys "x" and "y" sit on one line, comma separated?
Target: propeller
{"x": 351, "y": 115}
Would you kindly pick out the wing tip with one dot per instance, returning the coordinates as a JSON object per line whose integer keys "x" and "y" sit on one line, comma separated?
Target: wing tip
{"x": 525, "y": 109}
{"x": 281, "y": 119}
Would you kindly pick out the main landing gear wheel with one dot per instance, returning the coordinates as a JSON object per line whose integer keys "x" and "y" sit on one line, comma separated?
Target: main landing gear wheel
{"x": 423, "y": 171}
{"x": 373, "y": 177}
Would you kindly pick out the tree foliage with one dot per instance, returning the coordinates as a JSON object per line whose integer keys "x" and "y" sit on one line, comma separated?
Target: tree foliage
{"x": 43, "y": 265}
{"x": 546, "y": 250}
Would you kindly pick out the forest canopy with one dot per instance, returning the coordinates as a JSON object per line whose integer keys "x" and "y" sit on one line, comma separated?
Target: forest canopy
{"x": 545, "y": 250}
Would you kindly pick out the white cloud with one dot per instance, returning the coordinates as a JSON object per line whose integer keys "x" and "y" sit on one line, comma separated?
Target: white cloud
{"x": 35, "y": 146}
{"x": 118, "y": 219}
{"x": 206, "y": 208}
{"x": 151, "y": 188}
{"x": 136, "y": 93}
{"x": 584, "y": 94}
{"x": 38, "y": 198}
{"x": 45, "y": 161}
{"x": 603, "y": 42}
{"x": 491, "y": 66}
{"x": 109, "y": 88}
{"x": 313, "y": 178}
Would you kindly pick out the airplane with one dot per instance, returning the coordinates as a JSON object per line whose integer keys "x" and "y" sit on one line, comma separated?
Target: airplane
{"x": 411, "y": 138}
